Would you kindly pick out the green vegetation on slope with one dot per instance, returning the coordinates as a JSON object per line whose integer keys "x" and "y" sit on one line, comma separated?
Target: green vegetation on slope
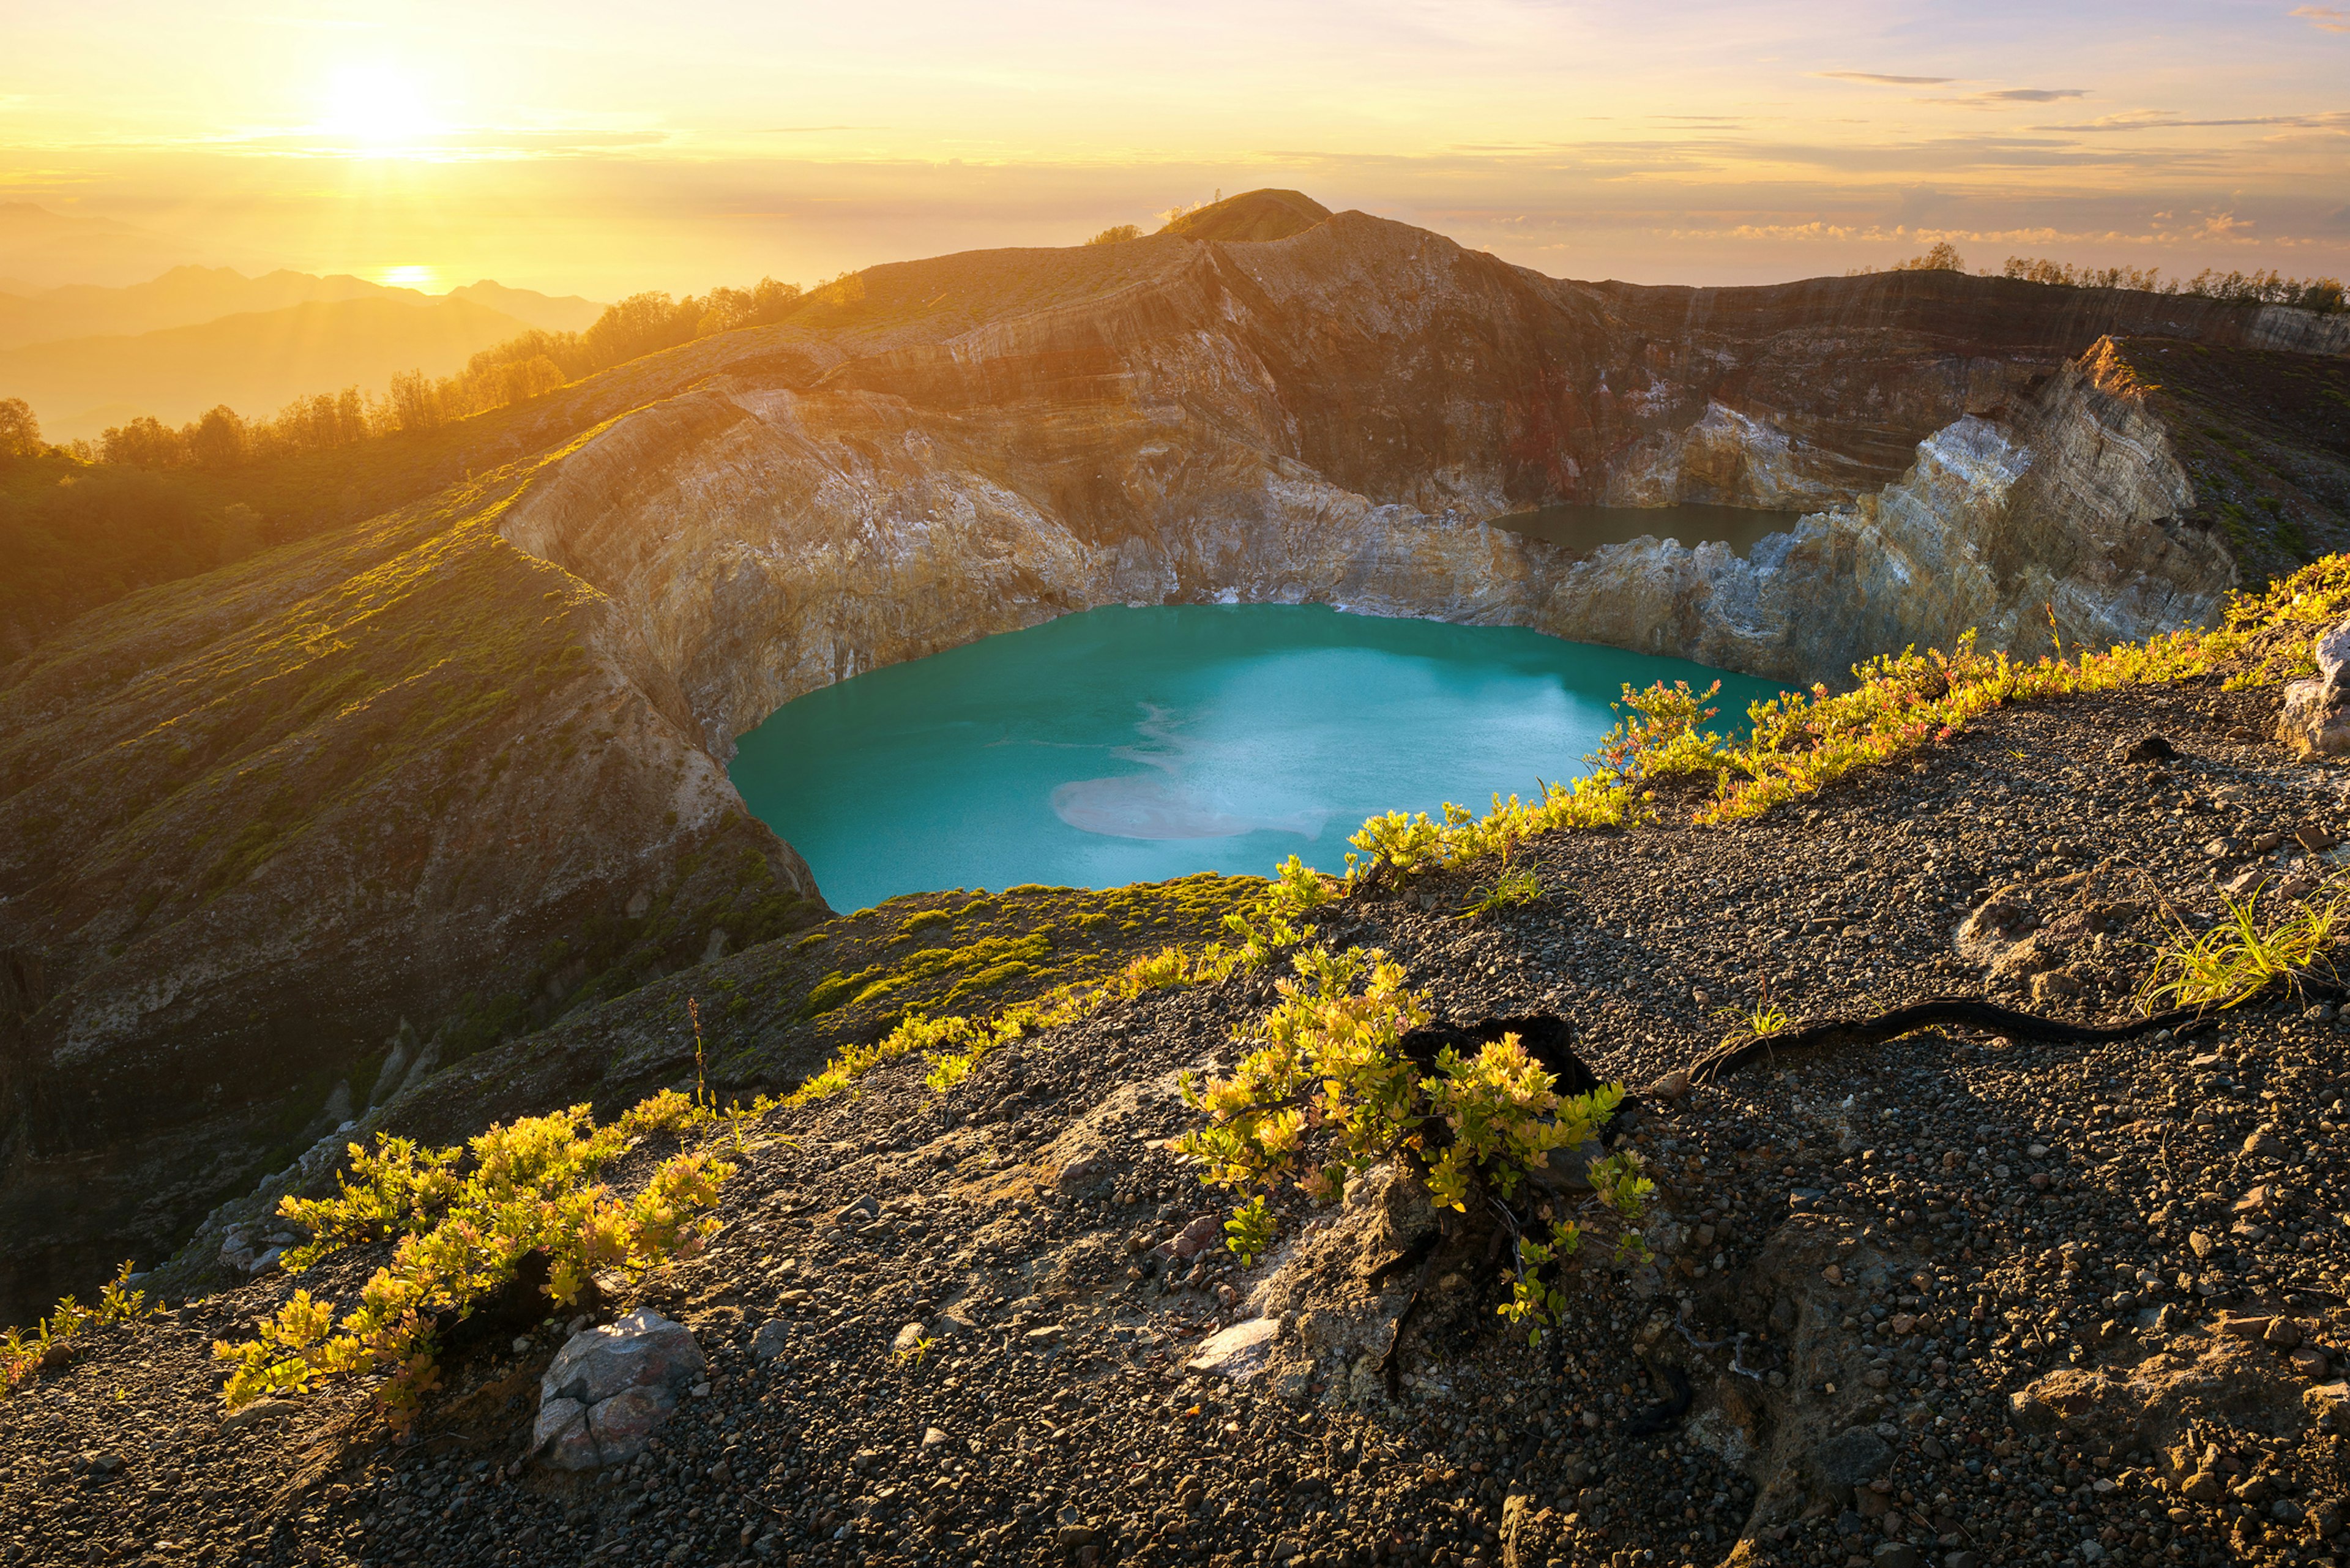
{"x": 778, "y": 1010}
{"x": 327, "y": 708}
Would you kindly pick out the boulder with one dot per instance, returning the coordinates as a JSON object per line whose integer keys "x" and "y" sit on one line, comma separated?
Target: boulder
{"x": 610, "y": 1388}
{"x": 561, "y": 1437}
{"x": 620, "y": 1424}
{"x": 2315, "y": 718}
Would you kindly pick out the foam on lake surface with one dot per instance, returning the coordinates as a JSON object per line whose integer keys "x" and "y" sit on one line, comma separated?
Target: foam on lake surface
{"x": 1124, "y": 745}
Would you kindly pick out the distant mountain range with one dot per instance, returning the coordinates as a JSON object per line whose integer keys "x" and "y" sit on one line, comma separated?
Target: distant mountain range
{"x": 255, "y": 361}
{"x": 553, "y": 313}
{"x": 87, "y": 356}
{"x": 188, "y": 295}
{"x": 41, "y": 249}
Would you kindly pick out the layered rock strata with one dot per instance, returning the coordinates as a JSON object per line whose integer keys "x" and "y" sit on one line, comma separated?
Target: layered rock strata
{"x": 766, "y": 541}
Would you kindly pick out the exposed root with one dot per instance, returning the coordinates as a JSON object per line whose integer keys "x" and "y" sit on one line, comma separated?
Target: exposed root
{"x": 1963, "y": 1012}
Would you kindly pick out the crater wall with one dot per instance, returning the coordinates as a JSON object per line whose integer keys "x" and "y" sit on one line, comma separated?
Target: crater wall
{"x": 1338, "y": 417}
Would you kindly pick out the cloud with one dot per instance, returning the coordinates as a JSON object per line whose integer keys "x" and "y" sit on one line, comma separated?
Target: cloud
{"x": 808, "y": 129}
{"x": 1883, "y": 80}
{"x": 1998, "y": 97}
{"x": 2325, "y": 18}
{"x": 2165, "y": 119}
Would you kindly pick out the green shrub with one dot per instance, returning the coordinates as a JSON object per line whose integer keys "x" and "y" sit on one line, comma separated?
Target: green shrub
{"x": 529, "y": 1187}
{"x": 21, "y": 1355}
{"x": 2240, "y": 955}
{"x": 1329, "y": 1092}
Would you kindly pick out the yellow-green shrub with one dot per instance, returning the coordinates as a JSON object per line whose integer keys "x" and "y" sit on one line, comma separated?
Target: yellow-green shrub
{"x": 530, "y": 1186}
{"x": 21, "y": 1354}
{"x": 2241, "y": 955}
{"x": 1329, "y": 1091}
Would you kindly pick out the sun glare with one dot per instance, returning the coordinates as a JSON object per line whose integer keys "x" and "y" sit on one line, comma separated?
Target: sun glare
{"x": 377, "y": 106}
{"x": 407, "y": 277}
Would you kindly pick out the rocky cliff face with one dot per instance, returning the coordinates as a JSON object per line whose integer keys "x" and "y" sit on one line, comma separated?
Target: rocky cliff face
{"x": 461, "y": 764}
{"x": 1333, "y": 416}
{"x": 2067, "y": 499}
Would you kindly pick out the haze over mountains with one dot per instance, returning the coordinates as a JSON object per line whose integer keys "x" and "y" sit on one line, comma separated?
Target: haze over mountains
{"x": 86, "y": 354}
{"x": 40, "y": 249}
{"x": 186, "y": 295}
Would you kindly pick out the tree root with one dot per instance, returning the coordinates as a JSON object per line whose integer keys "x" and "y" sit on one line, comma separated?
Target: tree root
{"x": 1963, "y": 1012}
{"x": 1412, "y": 1255}
{"x": 1546, "y": 1037}
{"x": 1390, "y": 1368}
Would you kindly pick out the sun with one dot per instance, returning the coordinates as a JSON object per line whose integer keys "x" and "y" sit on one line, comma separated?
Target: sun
{"x": 378, "y": 105}
{"x": 409, "y": 276}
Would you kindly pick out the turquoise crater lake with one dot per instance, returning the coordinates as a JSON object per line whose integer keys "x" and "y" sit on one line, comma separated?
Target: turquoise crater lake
{"x": 1128, "y": 745}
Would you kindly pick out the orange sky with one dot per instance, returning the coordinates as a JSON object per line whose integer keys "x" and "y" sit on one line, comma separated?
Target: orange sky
{"x": 598, "y": 148}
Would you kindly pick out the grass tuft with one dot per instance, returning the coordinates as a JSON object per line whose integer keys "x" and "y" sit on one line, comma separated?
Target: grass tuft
{"x": 2241, "y": 955}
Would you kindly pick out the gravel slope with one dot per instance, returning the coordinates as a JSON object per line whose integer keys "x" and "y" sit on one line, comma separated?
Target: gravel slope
{"x": 1954, "y": 1295}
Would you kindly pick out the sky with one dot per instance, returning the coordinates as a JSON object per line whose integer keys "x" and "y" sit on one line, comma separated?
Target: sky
{"x": 596, "y": 147}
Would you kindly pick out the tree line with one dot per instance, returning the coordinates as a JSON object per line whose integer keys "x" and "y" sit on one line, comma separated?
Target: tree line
{"x": 519, "y": 369}
{"x": 2322, "y": 294}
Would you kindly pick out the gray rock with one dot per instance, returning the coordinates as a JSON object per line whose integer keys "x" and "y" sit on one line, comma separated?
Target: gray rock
{"x": 643, "y": 1349}
{"x": 1240, "y": 1352}
{"x": 560, "y": 1434}
{"x": 610, "y": 1388}
{"x": 1895, "y": 1554}
{"x": 620, "y": 1424}
{"x": 2315, "y": 717}
{"x": 775, "y": 1337}
{"x": 1853, "y": 1457}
